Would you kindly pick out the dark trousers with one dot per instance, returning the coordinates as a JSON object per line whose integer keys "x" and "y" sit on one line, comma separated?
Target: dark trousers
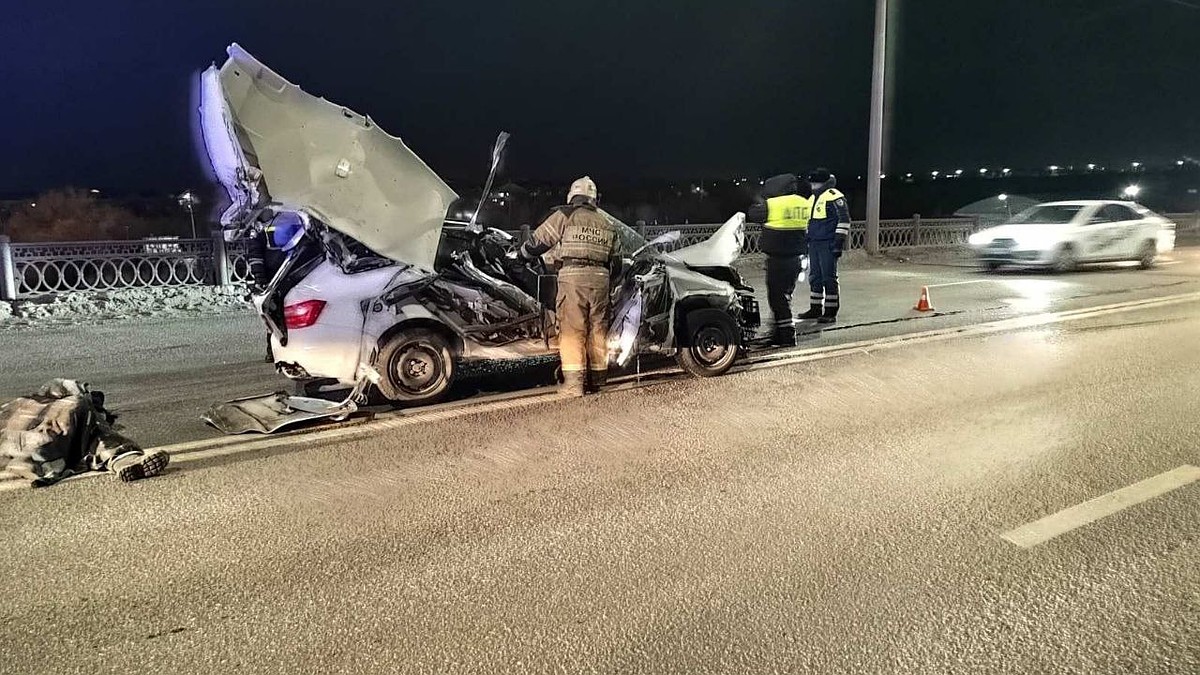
{"x": 822, "y": 274}
{"x": 782, "y": 273}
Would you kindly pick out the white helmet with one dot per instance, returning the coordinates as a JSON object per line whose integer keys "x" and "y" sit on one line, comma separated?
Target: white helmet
{"x": 584, "y": 187}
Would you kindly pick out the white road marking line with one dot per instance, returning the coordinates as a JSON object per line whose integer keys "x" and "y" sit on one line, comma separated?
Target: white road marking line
{"x": 1045, "y": 529}
{"x": 363, "y": 429}
{"x": 963, "y": 283}
{"x": 194, "y": 451}
{"x": 522, "y": 399}
{"x": 942, "y": 334}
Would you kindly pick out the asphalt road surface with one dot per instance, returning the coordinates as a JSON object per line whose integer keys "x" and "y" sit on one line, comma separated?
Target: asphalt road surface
{"x": 162, "y": 375}
{"x": 852, "y": 515}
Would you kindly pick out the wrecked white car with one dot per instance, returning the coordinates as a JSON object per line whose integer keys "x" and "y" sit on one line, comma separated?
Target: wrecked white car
{"x": 377, "y": 286}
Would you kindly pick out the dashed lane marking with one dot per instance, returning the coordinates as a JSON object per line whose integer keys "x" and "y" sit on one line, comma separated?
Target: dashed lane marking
{"x": 1042, "y": 530}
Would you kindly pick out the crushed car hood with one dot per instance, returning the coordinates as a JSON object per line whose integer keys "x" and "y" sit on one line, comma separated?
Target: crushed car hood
{"x": 720, "y": 250}
{"x": 270, "y": 142}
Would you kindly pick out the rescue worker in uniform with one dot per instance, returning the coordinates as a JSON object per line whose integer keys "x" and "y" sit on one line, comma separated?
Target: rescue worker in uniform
{"x": 266, "y": 248}
{"x": 582, "y": 243}
{"x": 828, "y": 235}
{"x": 784, "y": 213}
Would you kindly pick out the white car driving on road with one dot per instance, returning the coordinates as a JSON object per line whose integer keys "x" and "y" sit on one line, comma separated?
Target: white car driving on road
{"x": 1063, "y": 235}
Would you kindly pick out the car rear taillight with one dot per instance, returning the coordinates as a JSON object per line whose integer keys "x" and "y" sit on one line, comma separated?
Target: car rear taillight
{"x": 303, "y": 314}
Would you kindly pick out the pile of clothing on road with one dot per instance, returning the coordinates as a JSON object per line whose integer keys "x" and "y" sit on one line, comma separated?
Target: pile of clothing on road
{"x": 64, "y": 429}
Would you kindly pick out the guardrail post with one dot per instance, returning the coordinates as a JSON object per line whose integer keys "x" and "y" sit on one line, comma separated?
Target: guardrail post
{"x": 8, "y": 270}
{"x": 220, "y": 257}
{"x": 916, "y": 229}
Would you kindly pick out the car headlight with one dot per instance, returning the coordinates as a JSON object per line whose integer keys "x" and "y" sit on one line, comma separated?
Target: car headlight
{"x": 979, "y": 239}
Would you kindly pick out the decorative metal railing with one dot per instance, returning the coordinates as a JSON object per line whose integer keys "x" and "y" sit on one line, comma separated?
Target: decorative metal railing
{"x": 892, "y": 233}
{"x": 52, "y": 268}
{"x": 28, "y": 270}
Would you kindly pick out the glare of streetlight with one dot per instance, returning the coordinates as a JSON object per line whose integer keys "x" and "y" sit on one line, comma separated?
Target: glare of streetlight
{"x": 1136, "y": 165}
{"x": 935, "y": 174}
{"x": 983, "y": 171}
{"x": 188, "y": 201}
{"x": 1006, "y": 171}
{"x": 1002, "y": 197}
{"x": 1132, "y": 191}
{"x": 1179, "y": 162}
{"x": 1091, "y": 167}
{"x": 94, "y": 191}
{"x": 958, "y": 172}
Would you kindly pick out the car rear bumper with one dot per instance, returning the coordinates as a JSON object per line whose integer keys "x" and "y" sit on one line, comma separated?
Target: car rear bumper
{"x": 312, "y": 358}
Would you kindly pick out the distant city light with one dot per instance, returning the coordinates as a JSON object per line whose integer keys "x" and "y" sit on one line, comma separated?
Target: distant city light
{"x": 935, "y": 174}
{"x": 94, "y": 191}
{"x": 908, "y": 175}
{"x": 983, "y": 171}
{"x": 1006, "y": 171}
{"x": 33, "y": 205}
{"x": 958, "y": 172}
{"x": 1132, "y": 191}
{"x": 1091, "y": 167}
{"x": 1136, "y": 165}
{"x": 1179, "y": 162}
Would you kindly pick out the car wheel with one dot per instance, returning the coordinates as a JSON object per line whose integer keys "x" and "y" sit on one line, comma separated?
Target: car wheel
{"x": 1148, "y": 254}
{"x": 990, "y": 266}
{"x": 417, "y": 367}
{"x": 709, "y": 343}
{"x": 1065, "y": 261}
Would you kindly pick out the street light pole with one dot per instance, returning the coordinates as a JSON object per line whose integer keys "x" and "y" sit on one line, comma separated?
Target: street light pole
{"x": 875, "y": 154}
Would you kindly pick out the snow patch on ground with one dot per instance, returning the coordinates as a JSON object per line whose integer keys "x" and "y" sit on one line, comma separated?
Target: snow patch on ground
{"x": 124, "y": 304}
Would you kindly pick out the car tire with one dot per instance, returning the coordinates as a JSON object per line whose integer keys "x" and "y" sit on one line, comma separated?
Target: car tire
{"x": 1147, "y": 255}
{"x": 417, "y": 367}
{"x": 709, "y": 344}
{"x": 1066, "y": 260}
{"x": 991, "y": 266}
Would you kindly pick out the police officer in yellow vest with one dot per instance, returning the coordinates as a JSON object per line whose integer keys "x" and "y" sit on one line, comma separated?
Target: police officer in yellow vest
{"x": 784, "y": 213}
{"x": 828, "y": 234}
{"x": 582, "y": 244}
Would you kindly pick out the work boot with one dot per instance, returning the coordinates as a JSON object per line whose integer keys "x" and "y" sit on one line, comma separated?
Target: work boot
{"x": 814, "y": 312}
{"x": 784, "y": 337}
{"x": 136, "y": 466}
{"x": 830, "y": 315}
{"x": 596, "y": 380}
{"x": 574, "y": 383}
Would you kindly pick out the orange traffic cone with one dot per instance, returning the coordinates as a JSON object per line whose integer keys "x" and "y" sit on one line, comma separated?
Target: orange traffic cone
{"x": 923, "y": 304}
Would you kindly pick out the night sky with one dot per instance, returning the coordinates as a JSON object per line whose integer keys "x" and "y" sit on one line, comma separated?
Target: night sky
{"x": 98, "y": 92}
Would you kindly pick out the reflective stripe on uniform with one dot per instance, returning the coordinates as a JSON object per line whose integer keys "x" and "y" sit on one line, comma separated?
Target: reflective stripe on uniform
{"x": 788, "y": 212}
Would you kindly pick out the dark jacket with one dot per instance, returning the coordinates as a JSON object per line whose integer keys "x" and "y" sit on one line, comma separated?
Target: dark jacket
{"x": 786, "y": 243}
